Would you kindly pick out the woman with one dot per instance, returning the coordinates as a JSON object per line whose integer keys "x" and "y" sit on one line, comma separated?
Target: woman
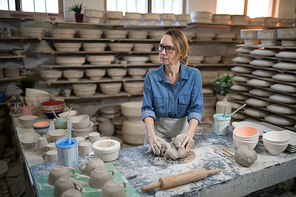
{"x": 172, "y": 103}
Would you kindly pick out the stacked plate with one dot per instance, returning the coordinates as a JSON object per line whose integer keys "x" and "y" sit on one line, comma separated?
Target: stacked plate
{"x": 292, "y": 143}
{"x": 111, "y": 111}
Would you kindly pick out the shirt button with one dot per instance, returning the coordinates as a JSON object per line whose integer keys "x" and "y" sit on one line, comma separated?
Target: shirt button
{"x": 172, "y": 112}
{"x": 172, "y": 92}
{"x": 172, "y": 102}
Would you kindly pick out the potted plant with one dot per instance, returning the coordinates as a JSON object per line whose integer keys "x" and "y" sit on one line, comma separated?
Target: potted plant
{"x": 25, "y": 82}
{"x": 77, "y": 8}
{"x": 222, "y": 85}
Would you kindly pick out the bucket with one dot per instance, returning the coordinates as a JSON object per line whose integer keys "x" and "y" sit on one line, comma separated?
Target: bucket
{"x": 27, "y": 110}
{"x": 2, "y": 97}
{"x": 67, "y": 154}
{"x": 221, "y": 124}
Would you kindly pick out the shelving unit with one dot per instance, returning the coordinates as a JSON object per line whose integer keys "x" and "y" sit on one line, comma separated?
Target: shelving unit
{"x": 12, "y": 56}
{"x": 269, "y": 79}
{"x": 100, "y": 95}
{"x": 102, "y": 66}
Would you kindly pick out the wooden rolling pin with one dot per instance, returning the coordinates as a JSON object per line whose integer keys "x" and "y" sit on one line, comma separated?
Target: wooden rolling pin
{"x": 181, "y": 179}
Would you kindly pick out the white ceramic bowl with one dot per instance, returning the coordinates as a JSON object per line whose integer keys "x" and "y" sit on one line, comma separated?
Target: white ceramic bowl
{"x": 106, "y": 149}
{"x": 154, "y": 59}
{"x": 80, "y": 122}
{"x": 137, "y": 73}
{"x": 250, "y": 143}
{"x": 95, "y": 74}
{"x": 246, "y": 132}
{"x": 116, "y": 73}
{"x": 84, "y": 90}
{"x": 36, "y": 93}
{"x": 133, "y": 87}
{"x": 274, "y": 148}
{"x": 100, "y": 59}
{"x": 29, "y": 139}
{"x": 70, "y": 61}
{"x": 73, "y": 75}
{"x": 110, "y": 88}
{"x": 132, "y": 110}
{"x": 58, "y": 134}
{"x": 51, "y": 75}
{"x": 276, "y": 137}
{"x": 27, "y": 121}
{"x": 85, "y": 130}
{"x": 71, "y": 114}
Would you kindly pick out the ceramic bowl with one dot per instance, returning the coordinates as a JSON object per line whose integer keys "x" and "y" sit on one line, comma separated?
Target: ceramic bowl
{"x": 41, "y": 127}
{"x": 70, "y": 60}
{"x": 84, "y": 130}
{"x": 137, "y": 73}
{"x": 137, "y": 34}
{"x": 110, "y": 88}
{"x": 95, "y": 74}
{"x": 100, "y": 59}
{"x": 67, "y": 47}
{"x": 116, "y": 73}
{"x": 84, "y": 90}
{"x": 90, "y": 34}
{"x": 92, "y": 13}
{"x": 131, "y": 110}
{"x": 136, "y": 59}
{"x": 133, "y": 16}
{"x": 276, "y": 137}
{"x": 154, "y": 59}
{"x": 71, "y": 114}
{"x": 274, "y": 148}
{"x": 29, "y": 139}
{"x": 246, "y": 132}
{"x": 133, "y": 87}
{"x": 51, "y": 75}
{"x": 143, "y": 47}
{"x": 36, "y": 93}
{"x": 62, "y": 33}
{"x": 58, "y": 134}
{"x": 73, "y": 75}
{"x": 250, "y": 143}
{"x": 57, "y": 107}
{"x": 80, "y": 122}
{"x": 115, "y": 34}
{"x": 94, "y": 47}
{"x": 121, "y": 47}
{"x": 106, "y": 149}
{"x": 27, "y": 121}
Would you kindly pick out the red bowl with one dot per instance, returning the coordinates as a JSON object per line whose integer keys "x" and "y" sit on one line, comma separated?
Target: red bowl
{"x": 57, "y": 106}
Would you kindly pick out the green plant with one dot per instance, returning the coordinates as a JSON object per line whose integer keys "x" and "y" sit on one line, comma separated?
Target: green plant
{"x": 223, "y": 83}
{"x": 26, "y": 82}
{"x": 76, "y": 7}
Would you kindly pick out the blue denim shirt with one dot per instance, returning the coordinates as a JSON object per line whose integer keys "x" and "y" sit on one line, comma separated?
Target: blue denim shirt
{"x": 162, "y": 99}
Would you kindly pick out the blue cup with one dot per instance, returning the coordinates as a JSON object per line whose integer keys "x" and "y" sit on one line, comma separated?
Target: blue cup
{"x": 2, "y": 97}
{"x": 67, "y": 154}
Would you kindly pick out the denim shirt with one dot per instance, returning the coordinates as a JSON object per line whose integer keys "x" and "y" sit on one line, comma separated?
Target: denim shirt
{"x": 162, "y": 99}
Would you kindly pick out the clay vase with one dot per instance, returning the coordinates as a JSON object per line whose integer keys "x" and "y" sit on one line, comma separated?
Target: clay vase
{"x": 99, "y": 177}
{"x": 57, "y": 172}
{"x": 63, "y": 184}
{"x": 221, "y": 104}
{"x": 92, "y": 165}
{"x": 113, "y": 189}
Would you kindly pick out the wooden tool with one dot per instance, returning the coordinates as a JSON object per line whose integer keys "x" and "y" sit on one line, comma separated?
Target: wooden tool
{"x": 181, "y": 179}
{"x": 228, "y": 151}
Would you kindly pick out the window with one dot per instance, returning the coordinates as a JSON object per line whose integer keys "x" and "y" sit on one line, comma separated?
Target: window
{"x": 43, "y": 6}
{"x": 251, "y": 8}
{"x": 145, "y": 6}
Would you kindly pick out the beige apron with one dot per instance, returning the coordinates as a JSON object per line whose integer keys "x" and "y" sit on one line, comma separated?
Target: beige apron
{"x": 167, "y": 128}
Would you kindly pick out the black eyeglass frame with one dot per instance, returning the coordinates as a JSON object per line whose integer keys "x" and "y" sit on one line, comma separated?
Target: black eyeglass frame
{"x": 160, "y": 47}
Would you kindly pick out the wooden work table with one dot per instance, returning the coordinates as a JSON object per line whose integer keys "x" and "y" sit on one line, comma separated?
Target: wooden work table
{"x": 140, "y": 167}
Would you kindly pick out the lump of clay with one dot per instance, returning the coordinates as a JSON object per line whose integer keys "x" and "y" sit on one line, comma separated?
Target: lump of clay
{"x": 173, "y": 150}
{"x": 245, "y": 156}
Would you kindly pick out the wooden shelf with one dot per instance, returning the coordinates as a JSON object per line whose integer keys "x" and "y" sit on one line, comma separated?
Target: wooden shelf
{"x": 234, "y": 25}
{"x": 12, "y": 56}
{"x": 211, "y": 65}
{"x": 84, "y": 80}
{"x": 83, "y": 24}
{"x": 100, "y": 95}
{"x": 267, "y": 57}
{"x": 102, "y": 66}
{"x": 16, "y": 18}
{"x": 103, "y": 39}
{"x": 102, "y": 52}
{"x": 267, "y": 47}
{"x": 266, "y": 68}
{"x": 10, "y": 79}
{"x": 217, "y": 41}
{"x": 13, "y": 38}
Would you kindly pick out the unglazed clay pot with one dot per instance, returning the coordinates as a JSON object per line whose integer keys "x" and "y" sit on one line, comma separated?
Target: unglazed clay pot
{"x": 95, "y": 163}
{"x": 133, "y": 132}
{"x": 106, "y": 128}
{"x": 57, "y": 172}
{"x": 63, "y": 184}
{"x": 106, "y": 149}
{"x": 132, "y": 110}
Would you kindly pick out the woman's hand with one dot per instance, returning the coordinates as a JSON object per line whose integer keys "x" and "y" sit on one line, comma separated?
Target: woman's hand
{"x": 154, "y": 139}
{"x": 187, "y": 143}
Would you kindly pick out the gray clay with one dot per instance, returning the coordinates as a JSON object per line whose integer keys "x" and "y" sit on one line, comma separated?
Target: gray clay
{"x": 245, "y": 156}
{"x": 173, "y": 150}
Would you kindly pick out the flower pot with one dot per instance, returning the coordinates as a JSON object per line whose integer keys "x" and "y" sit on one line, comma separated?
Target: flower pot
{"x": 221, "y": 104}
{"x": 78, "y": 18}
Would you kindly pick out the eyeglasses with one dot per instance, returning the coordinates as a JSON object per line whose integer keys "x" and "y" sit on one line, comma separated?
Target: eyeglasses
{"x": 168, "y": 49}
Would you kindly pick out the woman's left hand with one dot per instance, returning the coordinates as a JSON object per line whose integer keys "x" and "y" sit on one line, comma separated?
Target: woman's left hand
{"x": 187, "y": 143}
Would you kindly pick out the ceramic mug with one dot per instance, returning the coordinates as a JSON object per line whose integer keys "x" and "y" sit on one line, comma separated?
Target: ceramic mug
{"x": 57, "y": 172}
{"x": 50, "y": 156}
{"x": 66, "y": 92}
{"x": 42, "y": 141}
{"x": 84, "y": 148}
{"x": 48, "y": 147}
{"x": 80, "y": 139}
{"x": 63, "y": 184}
{"x": 92, "y": 165}
{"x": 113, "y": 189}
{"x": 93, "y": 136}
{"x": 99, "y": 177}
{"x": 72, "y": 193}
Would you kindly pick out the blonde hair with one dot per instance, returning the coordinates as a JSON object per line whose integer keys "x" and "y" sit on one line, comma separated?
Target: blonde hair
{"x": 181, "y": 44}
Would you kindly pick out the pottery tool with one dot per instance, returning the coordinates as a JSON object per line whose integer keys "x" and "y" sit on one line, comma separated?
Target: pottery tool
{"x": 237, "y": 109}
{"x": 224, "y": 111}
{"x": 69, "y": 128}
{"x": 181, "y": 179}
{"x": 54, "y": 113}
{"x": 31, "y": 98}
{"x": 228, "y": 151}
{"x": 68, "y": 112}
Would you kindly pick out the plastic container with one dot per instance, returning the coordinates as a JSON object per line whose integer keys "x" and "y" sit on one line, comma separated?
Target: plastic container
{"x": 221, "y": 124}
{"x": 27, "y": 110}
{"x": 67, "y": 153}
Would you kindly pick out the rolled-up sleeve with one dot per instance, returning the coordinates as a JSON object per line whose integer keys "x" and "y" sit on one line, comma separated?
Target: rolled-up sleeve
{"x": 147, "y": 109}
{"x": 196, "y": 108}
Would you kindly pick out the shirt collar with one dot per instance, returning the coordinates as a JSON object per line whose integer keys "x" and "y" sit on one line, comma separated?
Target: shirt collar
{"x": 183, "y": 75}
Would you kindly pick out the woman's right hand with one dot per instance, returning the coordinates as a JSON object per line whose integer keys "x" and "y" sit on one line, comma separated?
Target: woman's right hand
{"x": 154, "y": 139}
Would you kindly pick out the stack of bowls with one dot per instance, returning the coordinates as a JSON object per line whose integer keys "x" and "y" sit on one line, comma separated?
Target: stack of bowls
{"x": 114, "y": 17}
{"x": 12, "y": 71}
{"x": 133, "y": 18}
{"x": 150, "y": 18}
{"x": 57, "y": 134}
{"x": 143, "y": 47}
{"x": 56, "y": 106}
{"x": 81, "y": 126}
{"x": 246, "y": 135}
{"x": 167, "y": 19}
{"x": 27, "y": 121}
{"x": 275, "y": 142}
{"x": 115, "y": 34}
{"x": 31, "y": 32}
{"x": 93, "y": 16}
{"x": 182, "y": 19}
{"x": 36, "y": 97}
{"x": 90, "y": 33}
{"x": 201, "y": 17}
